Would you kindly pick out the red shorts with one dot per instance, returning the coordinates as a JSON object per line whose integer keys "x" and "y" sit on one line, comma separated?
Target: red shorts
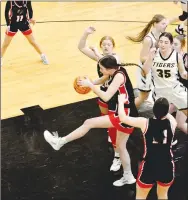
{"x": 102, "y": 103}
{"x": 118, "y": 124}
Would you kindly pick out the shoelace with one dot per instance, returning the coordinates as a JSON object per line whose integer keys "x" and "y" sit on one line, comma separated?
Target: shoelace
{"x": 55, "y": 134}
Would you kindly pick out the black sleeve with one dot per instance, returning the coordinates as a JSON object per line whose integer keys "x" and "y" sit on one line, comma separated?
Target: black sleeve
{"x": 30, "y": 10}
{"x": 7, "y": 8}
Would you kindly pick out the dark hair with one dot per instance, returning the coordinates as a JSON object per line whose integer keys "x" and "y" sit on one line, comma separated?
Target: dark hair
{"x": 107, "y": 38}
{"x": 161, "y": 108}
{"x": 168, "y": 35}
{"x": 181, "y": 38}
{"x": 156, "y": 19}
{"x": 110, "y": 62}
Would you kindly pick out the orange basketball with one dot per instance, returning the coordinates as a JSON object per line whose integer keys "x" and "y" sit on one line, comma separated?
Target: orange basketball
{"x": 81, "y": 89}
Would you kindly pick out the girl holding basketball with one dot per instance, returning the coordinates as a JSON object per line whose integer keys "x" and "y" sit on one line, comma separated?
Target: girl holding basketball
{"x": 18, "y": 15}
{"x": 107, "y": 45}
{"x": 118, "y": 83}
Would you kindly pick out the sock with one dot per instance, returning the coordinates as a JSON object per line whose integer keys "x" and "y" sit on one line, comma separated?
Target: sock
{"x": 63, "y": 141}
{"x": 116, "y": 155}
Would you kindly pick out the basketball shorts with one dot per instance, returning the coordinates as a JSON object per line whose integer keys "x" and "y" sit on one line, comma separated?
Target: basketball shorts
{"x": 176, "y": 95}
{"x": 151, "y": 172}
{"x": 118, "y": 124}
{"x": 24, "y": 27}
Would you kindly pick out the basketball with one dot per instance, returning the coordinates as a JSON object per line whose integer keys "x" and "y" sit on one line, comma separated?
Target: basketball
{"x": 80, "y": 89}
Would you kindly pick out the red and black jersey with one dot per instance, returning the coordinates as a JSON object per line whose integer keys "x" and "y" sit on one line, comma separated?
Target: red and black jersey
{"x": 159, "y": 150}
{"x": 18, "y": 11}
{"x": 125, "y": 88}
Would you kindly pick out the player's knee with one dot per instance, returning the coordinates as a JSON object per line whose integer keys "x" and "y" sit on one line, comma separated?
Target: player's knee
{"x": 184, "y": 16}
{"x": 88, "y": 123}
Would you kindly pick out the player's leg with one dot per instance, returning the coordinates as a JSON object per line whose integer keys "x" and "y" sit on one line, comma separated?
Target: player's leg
{"x": 142, "y": 193}
{"x": 97, "y": 122}
{"x": 162, "y": 192}
{"x": 145, "y": 180}
{"x": 179, "y": 98}
{"x": 165, "y": 178}
{"x": 181, "y": 121}
{"x": 121, "y": 143}
{"x": 27, "y": 32}
{"x": 180, "y": 118}
{"x": 116, "y": 163}
{"x": 183, "y": 17}
{"x": 10, "y": 32}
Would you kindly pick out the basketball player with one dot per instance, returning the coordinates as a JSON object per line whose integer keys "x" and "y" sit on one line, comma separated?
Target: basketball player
{"x": 178, "y": 45}
{"x": 183, "y": 17}
{"x": 118, "y": 82}
{"x": 18, "y": 15}
{"x": 164, "y": 65}
{"x": 107, "y": 45}
{"x": 149, "y": 37}
{"x": 157, "y": 165}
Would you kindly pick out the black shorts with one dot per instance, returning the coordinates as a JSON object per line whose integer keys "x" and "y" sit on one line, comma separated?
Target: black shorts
{"x": 152, "y": 172}
{"x": 24, "y": 27}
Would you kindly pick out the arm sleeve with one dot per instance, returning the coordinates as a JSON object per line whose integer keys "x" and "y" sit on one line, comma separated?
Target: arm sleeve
{"x": 30, "y": 10}
{"x": 7, "y": 9}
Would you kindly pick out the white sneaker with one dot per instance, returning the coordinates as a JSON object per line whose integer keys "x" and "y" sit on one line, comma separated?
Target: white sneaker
{"x": 53, "y": 140}
{"x": 44, "y": 59}
{"x": 127, "y": 178}
{"x": 115, "y": 165}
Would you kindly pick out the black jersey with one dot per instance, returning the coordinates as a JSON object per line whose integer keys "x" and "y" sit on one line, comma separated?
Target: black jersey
{"x": 18, "y": 11}
{"x": 125, "y": 88}
{"x": 161, "y": 150}
{"x": 183, "y": 81}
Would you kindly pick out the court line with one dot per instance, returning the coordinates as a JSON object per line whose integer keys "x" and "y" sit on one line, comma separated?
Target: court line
{"x": 89, "y": 20}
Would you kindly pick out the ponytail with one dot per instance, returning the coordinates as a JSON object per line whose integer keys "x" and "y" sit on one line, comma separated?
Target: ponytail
{"x": 140, "y": 37}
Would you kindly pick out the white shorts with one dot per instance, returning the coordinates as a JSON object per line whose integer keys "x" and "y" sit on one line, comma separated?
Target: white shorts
{"x": 143, "y": 83}
{"x": 176, "y": 95}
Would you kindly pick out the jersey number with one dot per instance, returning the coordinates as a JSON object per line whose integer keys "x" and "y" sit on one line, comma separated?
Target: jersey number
{"x": 164, "y": 73}
{"x": 19, "y": 18}
{"x": 164, "y": 140}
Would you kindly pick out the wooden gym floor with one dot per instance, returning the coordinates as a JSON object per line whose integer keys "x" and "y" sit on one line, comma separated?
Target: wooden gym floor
{"x": 31, "y": 169}
{"x": 27, "y": 82}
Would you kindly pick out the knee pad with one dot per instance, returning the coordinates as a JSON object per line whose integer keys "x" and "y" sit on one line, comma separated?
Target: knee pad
{"x": 184, "y": 16}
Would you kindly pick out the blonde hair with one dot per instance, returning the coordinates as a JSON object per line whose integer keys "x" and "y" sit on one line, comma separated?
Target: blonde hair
{"x": 139, "y": 38}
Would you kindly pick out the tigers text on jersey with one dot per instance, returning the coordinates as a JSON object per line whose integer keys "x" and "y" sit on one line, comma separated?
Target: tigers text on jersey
{"x": 165, "y": 71}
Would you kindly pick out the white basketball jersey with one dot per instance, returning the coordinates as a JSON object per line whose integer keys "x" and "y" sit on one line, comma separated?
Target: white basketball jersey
{"x": 153, "y": 39}
{"x": 165, "y": 71}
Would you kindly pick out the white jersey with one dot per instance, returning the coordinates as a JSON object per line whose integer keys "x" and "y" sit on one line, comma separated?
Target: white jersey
{"x": 165, "y": 71}
{"x": 144, "y": 83}
{"x": 153, "y": 39}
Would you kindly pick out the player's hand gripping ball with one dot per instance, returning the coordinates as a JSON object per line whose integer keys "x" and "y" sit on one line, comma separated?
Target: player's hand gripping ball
{"x": 81, "y": 85}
